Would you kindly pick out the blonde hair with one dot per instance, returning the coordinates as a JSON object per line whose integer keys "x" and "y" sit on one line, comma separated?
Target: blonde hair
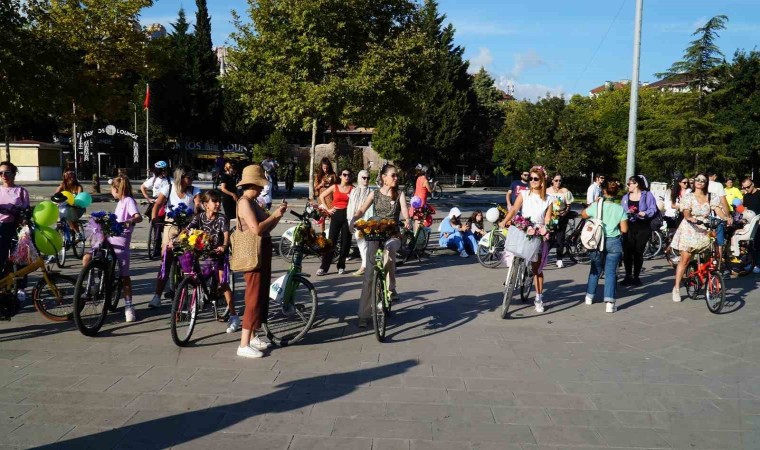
{"x": 538, "y": 170}
{"x": 122, "y": 186}
{"x": 179, "y": 174}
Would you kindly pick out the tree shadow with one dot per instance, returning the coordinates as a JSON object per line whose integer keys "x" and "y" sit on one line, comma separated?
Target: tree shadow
{"x": 176, "y": 429}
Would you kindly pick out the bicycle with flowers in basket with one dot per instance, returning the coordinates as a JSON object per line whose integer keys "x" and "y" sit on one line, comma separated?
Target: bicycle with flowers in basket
{"x": 379, "y": 230}
{"x": 292, "y": 298}
{"x": 200, "y": 284}
{"x": 98, "y": 287}
{"x": 524, "y": 240}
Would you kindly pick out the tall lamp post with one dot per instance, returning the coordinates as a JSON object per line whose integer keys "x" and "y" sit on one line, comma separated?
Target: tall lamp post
{"x": 630, "y": 162}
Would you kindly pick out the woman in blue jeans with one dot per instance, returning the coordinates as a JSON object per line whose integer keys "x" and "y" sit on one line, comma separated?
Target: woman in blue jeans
{"x": 615, "y": 222}
{"x": 455, "y": 235}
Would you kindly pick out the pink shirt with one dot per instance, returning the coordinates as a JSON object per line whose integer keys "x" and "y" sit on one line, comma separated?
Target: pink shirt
{"x": 10, "y": 197}
{"x": 125, "y": 210}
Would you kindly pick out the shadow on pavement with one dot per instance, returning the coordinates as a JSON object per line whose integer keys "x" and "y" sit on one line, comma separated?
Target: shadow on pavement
{"x": 169, "y": 431}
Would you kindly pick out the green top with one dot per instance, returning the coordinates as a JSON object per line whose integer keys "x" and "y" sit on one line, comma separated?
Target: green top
{"x": 613, "y": 215}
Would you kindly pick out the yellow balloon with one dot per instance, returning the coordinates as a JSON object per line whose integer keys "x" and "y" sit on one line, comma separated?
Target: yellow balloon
{"x": 69, "y": 197}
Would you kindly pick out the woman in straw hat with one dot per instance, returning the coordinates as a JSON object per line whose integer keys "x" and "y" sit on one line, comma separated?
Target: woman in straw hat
{"x": 252, "y": 216}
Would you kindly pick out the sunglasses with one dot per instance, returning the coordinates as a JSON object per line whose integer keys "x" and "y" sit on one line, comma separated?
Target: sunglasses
{"x": 365, "y": 178}
{"x": 6, "y": 173}
{"x": 393, "y": 175}
{"x": 535, "y": 179}
{"x": 557, "y": 181}
{"x": 700, "y": 180}
{"x": 683, "y": 182}
{"x": 345, "y": 174}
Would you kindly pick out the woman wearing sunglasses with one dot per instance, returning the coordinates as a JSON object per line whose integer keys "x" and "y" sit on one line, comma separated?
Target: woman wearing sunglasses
{"x": 13, "y": 199}
{"x": 641, "y": 207}
{"x": 338, "y": 220}
{"x": 357, "y": 198}
{"x": 536, "y": 206}
{"x": 561, "y": 199}
{"x": 691, "y": 236}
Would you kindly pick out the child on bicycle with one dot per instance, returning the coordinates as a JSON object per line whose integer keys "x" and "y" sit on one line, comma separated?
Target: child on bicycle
{"x": 126, "y": 213}
{"x": 218, "y": 229}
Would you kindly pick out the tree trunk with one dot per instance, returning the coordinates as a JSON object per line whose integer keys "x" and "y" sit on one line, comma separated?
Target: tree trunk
{"x": 312, "y": 155}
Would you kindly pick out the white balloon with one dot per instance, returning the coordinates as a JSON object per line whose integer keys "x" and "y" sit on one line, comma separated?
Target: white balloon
{"x": 492, "y": 215}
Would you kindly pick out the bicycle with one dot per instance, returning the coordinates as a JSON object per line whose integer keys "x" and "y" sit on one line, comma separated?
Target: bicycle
{"x": 491, "y": 246}
{"x": 155, "y": 230}
{"x": 98, "y": 290}
{"x": 573, "y": 246}
{"x": 655, "y": 244}
{"x": 51, "y": 296}
{"x": 197, "y": 288}
{"x": 704, "y": 274}
{"x": 436, "y": 191}
{"x": 75, "y": 242}
{"x": 519, "y": 276}
{"x": 380, "y": 296}
{"x": 413, "y": 244}
{"x": 292, "y": 298}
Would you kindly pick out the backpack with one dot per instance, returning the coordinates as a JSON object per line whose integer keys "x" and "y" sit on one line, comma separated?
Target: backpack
{"x": 592, "y": 234}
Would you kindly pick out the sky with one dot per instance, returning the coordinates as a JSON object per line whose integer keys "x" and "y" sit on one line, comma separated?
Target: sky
{"x": 552, "y": 46}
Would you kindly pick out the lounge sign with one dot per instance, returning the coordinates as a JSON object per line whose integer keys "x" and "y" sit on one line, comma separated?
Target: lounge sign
{"x": 85, "y": 140}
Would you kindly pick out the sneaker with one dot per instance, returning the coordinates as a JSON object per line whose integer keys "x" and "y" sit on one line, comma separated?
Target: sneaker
{"x": 636, "y": 282}
{"x": 129, "y": 314}
{"x": 21, "y": 295}
{"x": 539, "y": 306}
{"x": 341, "y": 271}
{"x": 249, "y": 352}
{"x": 394, "y": 295}
{"x": 676, "y": 294}
{"x": 362, "y": 323}
{"x": 155, "y": 302}
{"x": 560, "y": 264}
{"x": 627, "y": 281}
{"x": 756, "y": 269}
{"x": 258, "y": 344}
{"x": 349, "y": 258}
{"x": 610, "y": 307}
{"x": 463, "y": 254}
{"x": 320, "y": 272}
{"x": 358, "y": 273}
{"x": 234, "y": 324}
{"x": 589, "y": 300}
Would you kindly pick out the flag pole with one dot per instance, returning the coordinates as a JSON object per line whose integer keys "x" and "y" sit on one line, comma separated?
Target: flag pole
{"x": 147, "y": 130}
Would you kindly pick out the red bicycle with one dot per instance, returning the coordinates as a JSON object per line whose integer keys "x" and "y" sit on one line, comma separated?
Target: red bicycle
{"x": 703, "y": 273}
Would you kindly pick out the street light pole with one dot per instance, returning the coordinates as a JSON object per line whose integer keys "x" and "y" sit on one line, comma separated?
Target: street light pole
{"x": 630, "y": 162}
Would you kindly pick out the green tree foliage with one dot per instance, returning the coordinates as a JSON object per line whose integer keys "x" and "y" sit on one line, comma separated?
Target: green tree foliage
{"x": 205, "y": 91}
{"x": 489, "y": 115}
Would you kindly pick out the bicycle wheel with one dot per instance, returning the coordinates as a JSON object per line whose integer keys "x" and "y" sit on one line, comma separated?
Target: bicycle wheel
{"x": 79, "y": 243}
{"x": 654, "y": 246}
{"x": 407, "y": 248}
{"x": 116, "y": 290}
{"x": 692, "y": 283}
{"x": 288, "y": 320}
{"x": 526, "y": 284}
{"x": 175, "y": 277}
{"x": 60, "y": 256}
{"x": 184, "y": 309}
{"x": 437, "y": 192}
{"x": 490, "y": 257}
{"x": 90, "y": 298}
{"x": 509, "y": 286}
{"x": 715, "y": 293}
{"x": 378, "y": 306}
{"x": 287, "y": 251}
{"x": 152, "y": 231}
{"x": 59, "y": 306}
{"x": 580, "y": 253}
{"x": 672, "y": 256}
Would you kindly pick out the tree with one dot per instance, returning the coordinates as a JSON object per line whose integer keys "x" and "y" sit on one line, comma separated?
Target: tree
{"x": 205, "y": 90}
{"x": 489, "y": 114}
{"x": 298, "y": 63}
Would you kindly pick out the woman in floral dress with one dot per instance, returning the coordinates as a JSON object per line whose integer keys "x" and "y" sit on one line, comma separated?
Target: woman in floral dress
{"x": 690, "y": 236}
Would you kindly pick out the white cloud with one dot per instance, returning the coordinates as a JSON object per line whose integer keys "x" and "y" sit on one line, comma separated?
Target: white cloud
{"x": 527, "y": 91}
{"x": 484, "y": 58}
{"x": 525, "y": 61}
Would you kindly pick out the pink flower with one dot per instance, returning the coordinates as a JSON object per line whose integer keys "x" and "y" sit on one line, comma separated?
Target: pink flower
{"x": 531, "y": 231}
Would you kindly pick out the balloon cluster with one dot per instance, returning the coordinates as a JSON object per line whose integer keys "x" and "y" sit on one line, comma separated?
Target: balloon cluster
{"x": 82, "y": 200}
{"x": 47, "y": 240}
{"x": 738, "y": 205}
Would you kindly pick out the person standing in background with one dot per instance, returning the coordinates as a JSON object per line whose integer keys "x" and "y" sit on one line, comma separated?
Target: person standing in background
{"x": 594, "y": 191}
{"x": 516, "y": 187}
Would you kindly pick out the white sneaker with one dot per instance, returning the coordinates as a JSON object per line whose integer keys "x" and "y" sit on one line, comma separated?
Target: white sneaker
{"x": 676, "y": 294}
{"x": 21, "y": 295}
{"x": 249, "y": 352}
{"x": 129, "y": 314}
{"x": 258, "y": 344}
{"x": 539, "y": 306}
{"x": 341, "y": 271}
{"x": 234, "y": 324}
{"x": 756, "y": 269}
{"x": 611, "y": 308}
{"x": 463, "y": 254}
{"x": 589, "y": 300}
{"x": 155, "y": 302}
{"x": 560, "y": 264}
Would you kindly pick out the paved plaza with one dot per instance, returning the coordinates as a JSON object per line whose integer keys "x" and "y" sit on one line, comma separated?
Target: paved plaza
{"x": 452, "y": 374}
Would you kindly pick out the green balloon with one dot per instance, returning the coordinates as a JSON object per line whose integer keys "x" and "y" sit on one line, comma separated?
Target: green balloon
{"x": 47, "y": 240}
{"x": 45, "y": 214}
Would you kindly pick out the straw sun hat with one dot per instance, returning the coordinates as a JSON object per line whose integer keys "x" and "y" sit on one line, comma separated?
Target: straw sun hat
{"x": 253, "y": 174}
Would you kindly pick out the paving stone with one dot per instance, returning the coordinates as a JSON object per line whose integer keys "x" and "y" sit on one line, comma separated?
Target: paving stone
{"x": 691, "y": 438}
{"x": 469, "y": 432}
{"x": 168, "y": 402}
{"x": 9, "y": 412}
{"x": 626, "y": 402}
{"x": 35, "y": 435}
{"x": 329, "y": 443}
{"x": 566, "y": 436}
{"x": 90, "y": 437}
{"x": 582, "y": 418}
{"x": 428, "y": 413}
{"x": 226, "y": 441}
{"x": 78, "y": 415}
{"x": 138, "y": 385}
{"x": 102, "y": 399}
{"x": 297, "y": 424}
{"x": 524, "y": 416}
{"x": 553, "y": 401}
{"x": 439, "y": 445}
{"x": 379, "y": 428}
{"x": 631, "y": 437}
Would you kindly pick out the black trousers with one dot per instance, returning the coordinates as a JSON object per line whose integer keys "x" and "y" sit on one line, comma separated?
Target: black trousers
{"x": 559, "y": 236}
{"x": 633, "y": 247}
{"x": 338, "y": 227}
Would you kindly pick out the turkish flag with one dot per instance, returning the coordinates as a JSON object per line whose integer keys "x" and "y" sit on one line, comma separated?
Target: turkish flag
{"x": 146, "y": 103}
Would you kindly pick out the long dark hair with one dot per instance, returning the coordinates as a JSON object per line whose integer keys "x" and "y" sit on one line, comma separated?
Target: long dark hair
{"x": 384, "y": 171}
{"x": 321, "y": 174}
{"x": 676, "y": 189}
{"x": 639, "y": 182}
{"x": 707, "y": 184}
{"x": 473, "y": 218}
{"x": 610, "y": 186}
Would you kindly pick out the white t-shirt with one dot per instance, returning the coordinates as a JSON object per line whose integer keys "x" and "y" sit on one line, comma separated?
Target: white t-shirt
{"x": 593, "y": 193}
{"x": 534, "y": 208}
{"x": 716, "y": 188}
{"x": 156, "y": 183}
{"x": 174, "y": 200}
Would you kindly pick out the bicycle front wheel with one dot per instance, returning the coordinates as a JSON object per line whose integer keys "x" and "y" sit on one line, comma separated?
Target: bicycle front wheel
{"x": 490, "y": 257}
{"x": 509, "y": 286}
{"x": 378, "y": 306}
{"x": 715, "y": 293}
{"x": 55, "y": 302}
{"x": 184, "y": 311}
{"x": 91, "y": 299}
{"x": 79, "y": 242}
{"x": 289, "y": 319}
{"x": 152, "y": 232}
{"x": 287, "y": 250}
{"x": 654, "y": 246}
{"x": 526, "y": 285}
{"x": 60, "y": 256}
{"x": 437, "y": 192}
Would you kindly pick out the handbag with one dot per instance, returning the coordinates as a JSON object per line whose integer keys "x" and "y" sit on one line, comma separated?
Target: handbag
{"x": 246, "y": 249}
{"x": 657, "y": 220}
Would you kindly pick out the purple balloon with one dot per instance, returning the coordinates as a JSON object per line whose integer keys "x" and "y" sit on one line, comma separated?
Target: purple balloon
{"x": 416, "y": 202}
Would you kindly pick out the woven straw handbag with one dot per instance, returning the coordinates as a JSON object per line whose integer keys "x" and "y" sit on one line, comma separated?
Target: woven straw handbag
{"x": 246, "y": 250}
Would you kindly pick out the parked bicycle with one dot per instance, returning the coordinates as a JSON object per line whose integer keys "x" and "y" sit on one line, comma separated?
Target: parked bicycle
{"x": 413, "y": 244}
{"x": 287, "y": 243}
{"x": 198, "y": 288}
{"x": 292, "y": 298}
{"x": 436, "y": 190}
{"x": 71, "y": 240}
{"x": 98, "y": 290}
{"x": 703, "y": 273}
{"x": 491, "y": 246}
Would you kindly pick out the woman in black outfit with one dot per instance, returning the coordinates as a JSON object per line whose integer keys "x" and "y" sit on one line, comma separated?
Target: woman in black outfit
{"x": 340, "y": 194}
{"x": 227, "y": 183}
{"x": 641, "y": 206}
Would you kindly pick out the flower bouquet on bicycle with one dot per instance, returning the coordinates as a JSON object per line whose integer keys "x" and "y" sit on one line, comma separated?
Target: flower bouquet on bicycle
{"x": 377, "y": 230}
{"x": 191, "y": 245}
{"x": 181, "y": 215}
{"x": 103, "y": 225}
{"x": 423, "y": 214}
{"x": 524, "y": 238}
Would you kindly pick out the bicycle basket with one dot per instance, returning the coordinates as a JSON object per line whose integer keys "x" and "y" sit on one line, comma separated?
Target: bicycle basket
{"x": 186, "y": 262}
{"x": 518, "y": 244}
